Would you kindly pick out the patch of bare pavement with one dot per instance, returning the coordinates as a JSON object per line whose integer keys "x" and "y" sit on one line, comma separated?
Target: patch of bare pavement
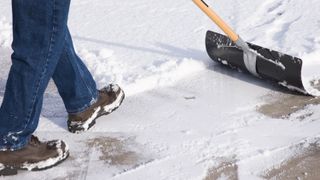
{"x": 305, "y": 165}
{"x": 115, "y": 152}
{"x": 120, "y": 152}
{"x": 225, "y": 170}
{"x": 92, "y": 154}
{"x": 281, "y": 105}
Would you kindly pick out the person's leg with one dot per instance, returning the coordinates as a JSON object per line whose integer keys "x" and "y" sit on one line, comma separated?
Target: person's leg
{"x": 39, "y": 31}
{"x": 75, "y": 83}
{"x": 79, "y": 92}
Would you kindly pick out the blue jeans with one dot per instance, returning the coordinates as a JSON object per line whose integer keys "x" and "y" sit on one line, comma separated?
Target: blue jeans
{"x": 42, "y": 49}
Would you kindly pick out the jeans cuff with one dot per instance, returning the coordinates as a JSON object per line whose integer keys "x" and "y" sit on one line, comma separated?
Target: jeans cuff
{"x": 15, "y": 147}
{"x": 87, "y": 105}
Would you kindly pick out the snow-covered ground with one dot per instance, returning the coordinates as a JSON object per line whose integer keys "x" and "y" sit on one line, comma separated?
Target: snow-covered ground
{"x": 185, "y": 117}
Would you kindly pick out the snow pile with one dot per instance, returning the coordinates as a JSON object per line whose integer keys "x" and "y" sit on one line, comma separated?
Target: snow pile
{"x": 164, "y": 73}
{"x": 106, "y": 68}
{"x": 310, "y": 70}
{"x": 103, "y": 66}
{"x": 5, "y": 33}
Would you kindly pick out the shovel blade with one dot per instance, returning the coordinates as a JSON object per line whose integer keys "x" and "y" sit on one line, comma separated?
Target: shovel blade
{"x": 221, "y": 49}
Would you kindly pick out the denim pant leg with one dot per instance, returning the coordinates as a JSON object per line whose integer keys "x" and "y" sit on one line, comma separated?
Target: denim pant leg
{"x": 75, "y": 83}
{"x": 39, "y": 31}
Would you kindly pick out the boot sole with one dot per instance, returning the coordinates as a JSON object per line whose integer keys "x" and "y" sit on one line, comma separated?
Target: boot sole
{"x": 11, "y": 170}
{"x": 79, "y": 128}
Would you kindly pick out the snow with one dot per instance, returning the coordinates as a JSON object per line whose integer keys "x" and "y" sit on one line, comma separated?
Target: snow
{"x": 2, "y": 167}
{"x": 5, "y": 33}
{"x": 184, "y": 114}
{"x": 311, "y": 73}
{"x": 110, "y": 108}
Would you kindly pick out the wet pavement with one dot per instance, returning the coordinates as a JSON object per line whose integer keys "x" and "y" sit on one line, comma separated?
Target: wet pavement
{"x": 305, "y": 165}
{"x": 225, "y": 170}
{"x": 281, "y": 105}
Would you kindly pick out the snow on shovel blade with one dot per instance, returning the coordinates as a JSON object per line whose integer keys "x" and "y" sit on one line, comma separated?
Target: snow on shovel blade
{"x": 221, "y": 49}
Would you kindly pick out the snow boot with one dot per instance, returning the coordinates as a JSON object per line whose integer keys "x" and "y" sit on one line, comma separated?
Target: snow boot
{"x": 34, "y": 156}
{"x": 110, "y": 98}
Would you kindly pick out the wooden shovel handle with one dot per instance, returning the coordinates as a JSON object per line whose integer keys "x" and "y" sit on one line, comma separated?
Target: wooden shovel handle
{"x": 212, "y": 15}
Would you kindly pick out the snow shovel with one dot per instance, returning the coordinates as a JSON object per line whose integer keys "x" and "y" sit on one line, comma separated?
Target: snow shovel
{"x": 259, "y": 61}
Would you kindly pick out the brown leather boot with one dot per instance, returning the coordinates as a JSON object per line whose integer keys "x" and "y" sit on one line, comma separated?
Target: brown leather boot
{"x": 110, "y": 98}
{"x": 34, "y": 156}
